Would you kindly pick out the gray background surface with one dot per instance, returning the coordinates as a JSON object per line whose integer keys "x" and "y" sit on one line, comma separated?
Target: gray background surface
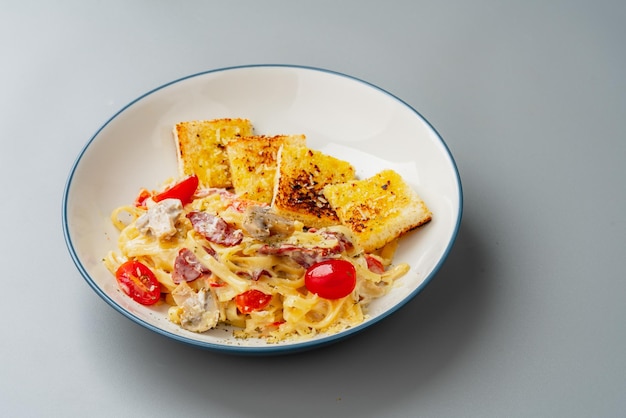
{"x": 526, "y": 319}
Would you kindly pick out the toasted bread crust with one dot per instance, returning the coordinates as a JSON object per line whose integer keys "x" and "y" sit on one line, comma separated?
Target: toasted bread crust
{"x": 201, "y": 149}
{"x": 379, "y": 209}
{"x": 253, "y": 162}
{"x": 300, "y": 180}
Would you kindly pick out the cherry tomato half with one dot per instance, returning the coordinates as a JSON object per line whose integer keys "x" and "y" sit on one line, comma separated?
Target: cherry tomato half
{"x": 331, "y": 279}
{"x": 252, "y": 300}
{"x": 182, "y": 190}
{"x": 139, "y": 282}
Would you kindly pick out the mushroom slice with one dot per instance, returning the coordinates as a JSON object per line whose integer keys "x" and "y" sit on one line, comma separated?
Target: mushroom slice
{"x": 198, "y": 311}
{"x": 261, "y": 222}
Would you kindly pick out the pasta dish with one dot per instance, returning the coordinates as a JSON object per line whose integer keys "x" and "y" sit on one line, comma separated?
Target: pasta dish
{"x": 264, "y": 234}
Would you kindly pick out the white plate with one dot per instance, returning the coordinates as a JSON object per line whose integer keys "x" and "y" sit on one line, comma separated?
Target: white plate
{"x": 340, "y": 115}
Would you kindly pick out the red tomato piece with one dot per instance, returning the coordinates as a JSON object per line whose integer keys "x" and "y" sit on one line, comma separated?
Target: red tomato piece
{"x": 252, "y": 300}
{"x": 374, "y": 265}
{"x": 183, "y": 190}
{"x": 141, "y": 197}
{"x": 215, "y": 284}
{"x": 331, "y": 279}
{"x": 139, "y": 282}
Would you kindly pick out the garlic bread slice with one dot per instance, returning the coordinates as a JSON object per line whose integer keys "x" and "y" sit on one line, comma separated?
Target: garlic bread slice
{"x": 201, "y": 148}
{"x": 378, "y": 209}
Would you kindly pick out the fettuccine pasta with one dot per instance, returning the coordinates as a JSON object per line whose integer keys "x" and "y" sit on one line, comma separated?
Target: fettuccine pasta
{"x": 219, "y": 259}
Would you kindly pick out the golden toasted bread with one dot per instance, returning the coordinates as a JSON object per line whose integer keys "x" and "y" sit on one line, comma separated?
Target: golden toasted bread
{"x": 378, "y": 209}
{"x": 201, "y": 148}
{"x": 301, "y": 176}
{"x": 253, "y": 164}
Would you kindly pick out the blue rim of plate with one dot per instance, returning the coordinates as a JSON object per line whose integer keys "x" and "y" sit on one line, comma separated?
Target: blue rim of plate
{"x": 270, "y": 349}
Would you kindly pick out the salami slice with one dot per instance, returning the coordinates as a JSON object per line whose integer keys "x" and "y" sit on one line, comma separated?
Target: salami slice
{"x": 215, "y": 229}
